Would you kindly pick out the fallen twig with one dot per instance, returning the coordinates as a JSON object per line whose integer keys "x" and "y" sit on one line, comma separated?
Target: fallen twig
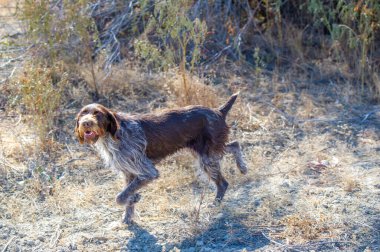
{"x": 313, "y": 244}
{"x": 19, "y": 120}
{"x": 12, "y": 60}
{"x": 56, "y": 236}
{"x": 8, "y": 243}
{"x": 70, "y": 161}
{"x": 289, "y": 118}
{"x": 369, "y": 114}
{"x": 277, "y": 243}
{"x": 9, "y": 165}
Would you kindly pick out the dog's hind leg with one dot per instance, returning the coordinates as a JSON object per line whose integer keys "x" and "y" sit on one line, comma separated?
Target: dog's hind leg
{"x": 212, "y": 167}
{"x": 235, "y": 150}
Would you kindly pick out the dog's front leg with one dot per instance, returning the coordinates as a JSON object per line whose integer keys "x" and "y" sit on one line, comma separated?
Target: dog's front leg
{"x": 128, "y": 196}
{"x": 131, "y": 201}
{"x": 136, "y": 184}
{"x": 130, "y": 208}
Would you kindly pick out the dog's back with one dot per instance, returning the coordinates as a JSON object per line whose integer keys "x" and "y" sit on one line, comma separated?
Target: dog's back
{"x": 198, "y": 128}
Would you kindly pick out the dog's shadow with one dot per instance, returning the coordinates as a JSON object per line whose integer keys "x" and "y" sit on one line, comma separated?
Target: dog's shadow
{"x": 227, "y": 233}
{"x": 142, "y": 240}
{"x": 224, "y": 234}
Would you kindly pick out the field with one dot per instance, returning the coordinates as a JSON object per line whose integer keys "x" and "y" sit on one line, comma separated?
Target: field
{"x": 312, "y": 150}
{"x": 313, "y": 183}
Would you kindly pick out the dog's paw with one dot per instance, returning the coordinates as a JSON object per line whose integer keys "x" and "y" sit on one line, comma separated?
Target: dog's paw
{"x": 218, "y": 202}
{"x": 242, "y": 167}
{"x": 121, "y": 199}
{"x": 128, "y": 220}
{"x": 128, "y": 215}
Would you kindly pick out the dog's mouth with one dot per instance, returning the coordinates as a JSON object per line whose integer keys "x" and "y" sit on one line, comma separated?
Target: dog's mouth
{"x": 90, "y": 135}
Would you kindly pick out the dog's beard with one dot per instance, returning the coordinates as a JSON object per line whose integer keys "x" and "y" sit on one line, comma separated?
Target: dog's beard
{"x": 91, "y": 135}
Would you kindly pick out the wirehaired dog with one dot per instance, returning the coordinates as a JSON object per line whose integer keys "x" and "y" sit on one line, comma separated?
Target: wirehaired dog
{"x": 133, "y": 144}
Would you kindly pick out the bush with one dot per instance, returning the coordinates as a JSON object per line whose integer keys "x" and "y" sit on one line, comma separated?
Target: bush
{"x": 40, "y": 90}
{"x": 270, "y": 34}
{"x": 354, "y": 26}
{"x": 62, "y": 30}
{"x": 177, "y": 40}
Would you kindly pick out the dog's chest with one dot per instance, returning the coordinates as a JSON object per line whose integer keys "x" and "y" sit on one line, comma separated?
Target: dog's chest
{"x": 108, "y": 151}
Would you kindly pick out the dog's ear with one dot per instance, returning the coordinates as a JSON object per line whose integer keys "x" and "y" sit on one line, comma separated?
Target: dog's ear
{"x": 76, "y": 130}
{"x": 113, "y": 125}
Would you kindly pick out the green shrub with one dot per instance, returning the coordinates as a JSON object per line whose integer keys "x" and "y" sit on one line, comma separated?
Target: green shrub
{"x": 40, "y": 90}
{"x": 177, "y": 40}
{"x": 354, "y": 25}
{"x": 62, "y": 30}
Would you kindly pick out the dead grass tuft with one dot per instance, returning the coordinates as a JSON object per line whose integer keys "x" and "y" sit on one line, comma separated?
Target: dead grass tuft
{"x": 351, "y": 184}
{"x": 195, "y": 92}
{"x": 105, "y": 84}
{"x": 303, "y": 228}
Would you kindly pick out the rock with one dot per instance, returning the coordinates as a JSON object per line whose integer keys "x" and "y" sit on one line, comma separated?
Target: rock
{"x": 191, "y": 249}
{"x": 73, "y": 246}
{"x": 62, "y": 249}
{"x": 199, "y": 243}
{"x": 285, "y": 184}
{"x": 4, "y": 236}
{"x": 205, "y": 249}
{"x": 30, "y": 243}
{"x": 218, "y": 216}
{"x": 257, "y": 203}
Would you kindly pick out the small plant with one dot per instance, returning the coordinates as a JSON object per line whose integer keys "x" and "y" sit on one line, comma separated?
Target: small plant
{"x": 61, "y": 29}
{"x": 354, "y": 25}
{"x": 197, "y": 209}
{"x": 350, "y": 184}
{"x": 258, "y": 62}
{"x": 304, "y": 228}
{"x": 40, "y": 90}
{"x": 177, "y": 43}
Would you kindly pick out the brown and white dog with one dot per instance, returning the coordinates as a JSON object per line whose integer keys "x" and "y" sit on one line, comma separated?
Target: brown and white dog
{"x": 133, "y": 144}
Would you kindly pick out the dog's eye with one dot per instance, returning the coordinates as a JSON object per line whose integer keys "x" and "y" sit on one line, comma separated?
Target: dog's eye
{"x": 85, "y": 111}
{"x": 96, "y": 112}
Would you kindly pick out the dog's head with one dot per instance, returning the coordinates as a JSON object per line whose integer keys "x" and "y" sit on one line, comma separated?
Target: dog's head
{"x": 95, "y": 121}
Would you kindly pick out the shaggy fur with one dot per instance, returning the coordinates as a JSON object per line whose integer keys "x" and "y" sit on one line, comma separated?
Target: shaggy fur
{"x": 133, "y": 144}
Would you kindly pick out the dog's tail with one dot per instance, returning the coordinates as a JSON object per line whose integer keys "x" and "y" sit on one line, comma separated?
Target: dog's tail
{"x": 228, "y": 105}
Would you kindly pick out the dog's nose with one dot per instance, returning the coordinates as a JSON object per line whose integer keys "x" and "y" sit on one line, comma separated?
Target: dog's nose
{"x": 87, "y": 124}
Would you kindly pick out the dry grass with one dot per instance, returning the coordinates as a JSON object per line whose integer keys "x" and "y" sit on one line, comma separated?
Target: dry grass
{"x": 307, "y": 183}
{"x": 312, "y": 184}
{"x": 39, "y": 90}
{"x": 106, "y": 83}
{"x": 196, "y": 92}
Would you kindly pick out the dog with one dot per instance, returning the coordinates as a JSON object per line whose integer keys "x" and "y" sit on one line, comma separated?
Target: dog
{"x": 133, "y": 144}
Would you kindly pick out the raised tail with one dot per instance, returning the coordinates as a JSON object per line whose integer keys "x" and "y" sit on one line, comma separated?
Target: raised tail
{"x": 228, "y": 105}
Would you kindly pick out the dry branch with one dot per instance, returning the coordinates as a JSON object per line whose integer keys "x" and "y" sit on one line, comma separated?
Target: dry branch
{"x": 7, "y": 244}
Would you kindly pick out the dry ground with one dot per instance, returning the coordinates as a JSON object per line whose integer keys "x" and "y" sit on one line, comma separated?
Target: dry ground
{"x": 313, "y": 180}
